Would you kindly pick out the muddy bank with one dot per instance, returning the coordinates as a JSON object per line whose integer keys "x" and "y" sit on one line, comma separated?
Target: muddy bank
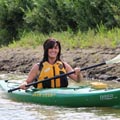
{"x": 22, "y": 59}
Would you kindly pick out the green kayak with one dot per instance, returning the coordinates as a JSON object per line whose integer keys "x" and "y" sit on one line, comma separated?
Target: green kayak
{"x": 83, "y": 96}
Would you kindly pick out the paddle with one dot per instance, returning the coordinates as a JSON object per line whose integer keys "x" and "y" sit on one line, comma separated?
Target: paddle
{"x": 112, "y": 61}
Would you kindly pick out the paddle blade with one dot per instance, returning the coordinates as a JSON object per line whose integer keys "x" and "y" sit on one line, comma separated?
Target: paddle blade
{"x": 114, "y": 60}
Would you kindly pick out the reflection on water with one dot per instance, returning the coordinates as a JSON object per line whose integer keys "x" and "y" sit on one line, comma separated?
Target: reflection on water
{"x": 10, "y": 110}
{"x": 20, "y": 111}
{"x": 15, "y": 111}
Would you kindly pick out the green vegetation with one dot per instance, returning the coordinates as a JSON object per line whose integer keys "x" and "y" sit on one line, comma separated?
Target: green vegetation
{"x": 103, "y": 38}
{"x": 77, "y": 23}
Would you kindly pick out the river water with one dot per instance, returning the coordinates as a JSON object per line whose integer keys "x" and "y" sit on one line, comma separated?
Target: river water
{"x": 11, "y": 110}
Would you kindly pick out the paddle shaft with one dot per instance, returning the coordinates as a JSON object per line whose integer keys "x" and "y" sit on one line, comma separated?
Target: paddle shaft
{"x": 58, "y": 76}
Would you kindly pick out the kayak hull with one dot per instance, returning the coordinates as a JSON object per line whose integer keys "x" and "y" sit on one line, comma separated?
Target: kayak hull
{"x": 69, "y": 97}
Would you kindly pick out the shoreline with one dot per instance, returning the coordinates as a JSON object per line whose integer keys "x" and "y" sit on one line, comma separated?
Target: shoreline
{"x": 21, "y": 60}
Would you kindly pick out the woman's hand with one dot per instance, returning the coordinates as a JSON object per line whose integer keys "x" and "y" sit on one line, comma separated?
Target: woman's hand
{"x": 23, "y": 86}
{"x": 78, "y": 73}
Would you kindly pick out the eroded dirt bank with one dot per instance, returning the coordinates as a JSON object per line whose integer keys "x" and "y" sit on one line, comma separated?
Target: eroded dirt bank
{"x": 22, "y": 59}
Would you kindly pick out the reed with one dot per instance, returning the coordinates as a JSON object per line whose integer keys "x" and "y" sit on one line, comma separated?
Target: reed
{"x": 68, "y": 39}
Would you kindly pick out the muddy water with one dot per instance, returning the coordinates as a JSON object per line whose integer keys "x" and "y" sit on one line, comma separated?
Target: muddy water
{"x": 10, "y": 110}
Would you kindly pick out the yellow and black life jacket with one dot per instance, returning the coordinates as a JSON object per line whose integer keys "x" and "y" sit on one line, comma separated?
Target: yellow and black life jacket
{"x": 49, "y": 71}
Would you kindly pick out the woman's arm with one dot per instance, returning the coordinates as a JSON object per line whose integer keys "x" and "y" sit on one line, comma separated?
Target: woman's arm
{"x": 77, "y": 76}
{"x": 31, "y": 76}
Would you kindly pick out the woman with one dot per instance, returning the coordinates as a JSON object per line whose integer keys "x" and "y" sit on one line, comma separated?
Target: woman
{"x": 50, "y": 66}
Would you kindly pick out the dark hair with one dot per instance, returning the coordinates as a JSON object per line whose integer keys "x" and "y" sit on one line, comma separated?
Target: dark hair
{"x": 48, "y": 44}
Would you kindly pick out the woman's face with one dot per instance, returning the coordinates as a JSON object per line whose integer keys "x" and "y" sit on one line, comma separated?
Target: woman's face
{"x": 53, "y": 52}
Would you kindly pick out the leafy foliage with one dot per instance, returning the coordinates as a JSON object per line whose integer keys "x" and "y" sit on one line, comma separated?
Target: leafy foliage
{"x": 47, "y": 16}
{"x": 12, "y": 19}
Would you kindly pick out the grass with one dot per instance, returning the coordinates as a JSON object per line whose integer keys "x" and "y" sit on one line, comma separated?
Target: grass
{"x": 68, "y": 39}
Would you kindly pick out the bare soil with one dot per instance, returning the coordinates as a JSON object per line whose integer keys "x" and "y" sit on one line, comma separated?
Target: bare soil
{"x": 22, "y": 60}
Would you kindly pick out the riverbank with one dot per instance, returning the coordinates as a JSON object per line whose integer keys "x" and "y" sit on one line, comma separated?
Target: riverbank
{"x": 22, "y": 59}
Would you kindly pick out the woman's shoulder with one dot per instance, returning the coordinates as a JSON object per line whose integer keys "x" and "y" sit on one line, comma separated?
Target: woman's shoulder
{"x": 36, "y": 66}
{"x": 65, "y": 64}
